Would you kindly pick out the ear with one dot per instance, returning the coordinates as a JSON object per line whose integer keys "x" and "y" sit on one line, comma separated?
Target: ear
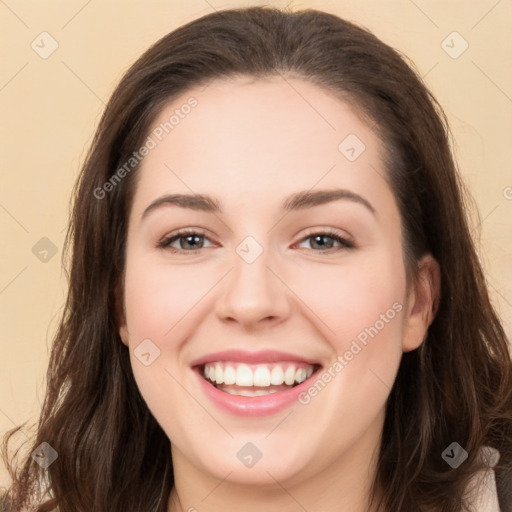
{"x": 123, "y": 333}
{"x": 120, "y": 315}
{"x": 422, "y": 304}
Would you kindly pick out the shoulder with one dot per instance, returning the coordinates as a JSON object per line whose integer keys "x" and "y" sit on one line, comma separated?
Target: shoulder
{"x": 481, "y": 494}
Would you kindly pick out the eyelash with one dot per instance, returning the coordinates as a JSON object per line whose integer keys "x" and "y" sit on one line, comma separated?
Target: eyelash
{"x": 346, "y": 243}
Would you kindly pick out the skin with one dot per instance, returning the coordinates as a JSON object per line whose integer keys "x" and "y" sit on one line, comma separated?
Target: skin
{"x": 250, "y": 144}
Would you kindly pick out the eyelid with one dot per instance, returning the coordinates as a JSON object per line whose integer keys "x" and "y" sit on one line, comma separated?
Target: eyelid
{"x": 346, "y": 241}
{"x": 164, "y": 242}
{"x": 329, "y": 232}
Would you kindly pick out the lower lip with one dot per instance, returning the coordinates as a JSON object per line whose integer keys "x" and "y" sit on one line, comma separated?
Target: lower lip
{"x": 254, "y": 406}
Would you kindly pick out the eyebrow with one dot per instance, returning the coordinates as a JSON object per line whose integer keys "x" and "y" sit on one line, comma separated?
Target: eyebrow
{"x": 297, "y": 201}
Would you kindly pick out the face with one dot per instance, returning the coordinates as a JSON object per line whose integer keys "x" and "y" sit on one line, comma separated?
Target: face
{"x": 286, "y": 287}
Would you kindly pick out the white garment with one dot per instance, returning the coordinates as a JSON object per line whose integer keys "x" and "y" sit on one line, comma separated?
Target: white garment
{"x": 482, "y": 495}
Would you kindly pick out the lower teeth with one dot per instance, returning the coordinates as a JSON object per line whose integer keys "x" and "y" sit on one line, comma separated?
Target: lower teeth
{"x": 236, "y": 390}
{"x": 247, "y": 392}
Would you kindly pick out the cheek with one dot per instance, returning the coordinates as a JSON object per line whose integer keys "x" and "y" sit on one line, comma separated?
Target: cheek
{"x": 361, "y": 308}
{"x": 159, "y": 302}
{"x": 352, "y": 299}
{"x": 158, "y": 297}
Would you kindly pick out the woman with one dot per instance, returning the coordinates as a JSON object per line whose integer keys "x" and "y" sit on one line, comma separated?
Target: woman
{"x": 275, "y": 302}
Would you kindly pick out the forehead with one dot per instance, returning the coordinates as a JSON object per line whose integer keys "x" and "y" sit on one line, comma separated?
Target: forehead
{"x": 259, "y": 138}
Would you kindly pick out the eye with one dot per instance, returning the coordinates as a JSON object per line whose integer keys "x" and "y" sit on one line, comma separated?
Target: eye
{"x": 192, "y": 241}
{"x": 322, "y": 241}
{"x": 188, "y": 241}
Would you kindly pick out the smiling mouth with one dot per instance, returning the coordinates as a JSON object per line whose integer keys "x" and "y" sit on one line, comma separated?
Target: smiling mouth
{"x": 252, "y": 380}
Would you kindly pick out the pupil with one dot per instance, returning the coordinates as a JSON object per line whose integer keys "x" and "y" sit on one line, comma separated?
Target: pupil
{"x": 190, "y": 238}
{"x": 322, "y": 244}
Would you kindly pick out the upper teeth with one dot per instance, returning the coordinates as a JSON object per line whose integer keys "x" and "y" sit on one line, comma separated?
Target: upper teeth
{"x": 259, "y": 374}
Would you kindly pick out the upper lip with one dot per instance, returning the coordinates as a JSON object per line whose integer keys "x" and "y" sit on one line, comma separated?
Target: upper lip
{"x": 241, "y": 356}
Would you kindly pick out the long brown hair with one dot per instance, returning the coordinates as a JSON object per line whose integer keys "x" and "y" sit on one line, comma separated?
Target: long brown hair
{"x": 112, "y": 454}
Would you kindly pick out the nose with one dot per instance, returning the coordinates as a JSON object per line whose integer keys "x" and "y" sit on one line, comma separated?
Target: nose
{"x": 253, "y": 294}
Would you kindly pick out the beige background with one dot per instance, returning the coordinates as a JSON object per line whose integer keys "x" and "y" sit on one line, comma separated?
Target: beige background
{"x": 51, "y": 106}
